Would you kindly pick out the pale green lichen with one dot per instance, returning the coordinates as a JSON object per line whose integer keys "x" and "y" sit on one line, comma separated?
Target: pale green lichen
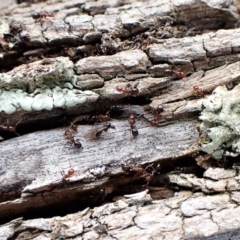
{"x": 47, "y": 73}
{"x": 221, "y": 123}
{"x": 9, "y": 104}
{"x": 40, "y": 99}
{"x": 24, "y": 100}
{"x": 58, "y": 97}
{"x": 41, "y": 85}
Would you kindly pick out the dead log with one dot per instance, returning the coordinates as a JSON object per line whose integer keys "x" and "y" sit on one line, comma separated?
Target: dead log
{"x": 149, "y": 68}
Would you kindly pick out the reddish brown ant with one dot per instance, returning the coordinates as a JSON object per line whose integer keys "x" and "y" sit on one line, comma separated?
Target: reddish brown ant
{"x": 178, "y": 74}
{"x": 138, "y": 170}
{"x": 131, "y": 121}
{"x": 198, "y": 91}
{"x": 39, "y": 16}
{"x": 100, "y": 118}
{"x": 69, "y": 173}
{"x": 129, "y": 169}
{"x": 149, "y": 176}
{"x": 68, "y": 135}
{"x": 128, "y": 89}
{"x": 142, "y": 171}
{"x": 158, "y": 112}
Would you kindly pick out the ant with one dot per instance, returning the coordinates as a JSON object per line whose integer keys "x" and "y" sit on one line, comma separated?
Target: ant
{"x": 198, "y": 91}
{"x": 97, "y": 131}
{"x": 138, "y": 170}
{"x": 155, "y": 120}
{"x": 131, "y": 121}
{"x": 69, "y": 173}
{"x": 149, "y": 176}
{"x": 128, "y": 89}
{"x": 100, "y": 118}
{"x": 68, "y": 135}
{"x": 10, "y": 128}
{"x": 129, "y": 169}
{"x": 39, "y": 16}
{"x": 142, "y": 171}
{"x": 178, "y": 74}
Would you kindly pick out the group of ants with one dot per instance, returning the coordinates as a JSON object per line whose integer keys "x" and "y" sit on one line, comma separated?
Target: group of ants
{"x": 148, "y": 172}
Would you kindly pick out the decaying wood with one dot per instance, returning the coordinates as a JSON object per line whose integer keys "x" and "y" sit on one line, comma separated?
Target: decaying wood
{"x": 81, "y": 61}
{"x": 184, "y": 216}
{"x": 99, "y": 161}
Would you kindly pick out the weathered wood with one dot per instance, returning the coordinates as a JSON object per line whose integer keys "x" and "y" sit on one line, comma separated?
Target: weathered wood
{"x": 39, "y": 153}
{"x": 184, "y": 216}
{"x": 74, "y": 64}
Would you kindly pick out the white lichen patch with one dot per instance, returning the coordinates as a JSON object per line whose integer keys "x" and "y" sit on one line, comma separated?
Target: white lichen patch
{"x": 42, "y": 85}
{"x": 221, "y": 123}
{"x": 8, "y": 102}
{"x": 46, "y": 73}
{"x": 4, "y": 27}
{"x": 40, "y": 99}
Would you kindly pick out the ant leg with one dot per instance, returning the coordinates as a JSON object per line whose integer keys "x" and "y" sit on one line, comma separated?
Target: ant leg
{"x": 73, "y": 126}
{"x": 53, "y": 25}
{"x": 150, "y": 166}
{"x": 70, "y": 164}
{"x": 16, "y": 126}
{"x": 66, "y": 144}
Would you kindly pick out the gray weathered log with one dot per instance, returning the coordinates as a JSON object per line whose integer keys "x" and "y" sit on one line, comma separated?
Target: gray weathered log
{"x": 184, "y": 216}
{"x": 76, "y": 61}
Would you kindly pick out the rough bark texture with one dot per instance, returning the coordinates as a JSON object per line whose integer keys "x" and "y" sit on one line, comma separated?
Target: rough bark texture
{"x": 160, "y": 60}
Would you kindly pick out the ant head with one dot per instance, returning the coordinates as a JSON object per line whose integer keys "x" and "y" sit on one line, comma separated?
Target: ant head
{"x": 109, "y": 125}
{"x": 77, "y": 144}
{"x": 71, "y": 171}
{"x": 134, "y": 131}
{"x": 135, "y": 91}
{"x": 36, "y": 15}
{"x": 160, "y": 108}
{"x": 112, "y": 126}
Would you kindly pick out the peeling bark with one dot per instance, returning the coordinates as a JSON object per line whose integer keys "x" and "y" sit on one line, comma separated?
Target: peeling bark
{"x": 158, "y": 60}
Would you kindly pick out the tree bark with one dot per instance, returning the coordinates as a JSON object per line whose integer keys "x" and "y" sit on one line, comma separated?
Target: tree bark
{"x": 157, "y": 60}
